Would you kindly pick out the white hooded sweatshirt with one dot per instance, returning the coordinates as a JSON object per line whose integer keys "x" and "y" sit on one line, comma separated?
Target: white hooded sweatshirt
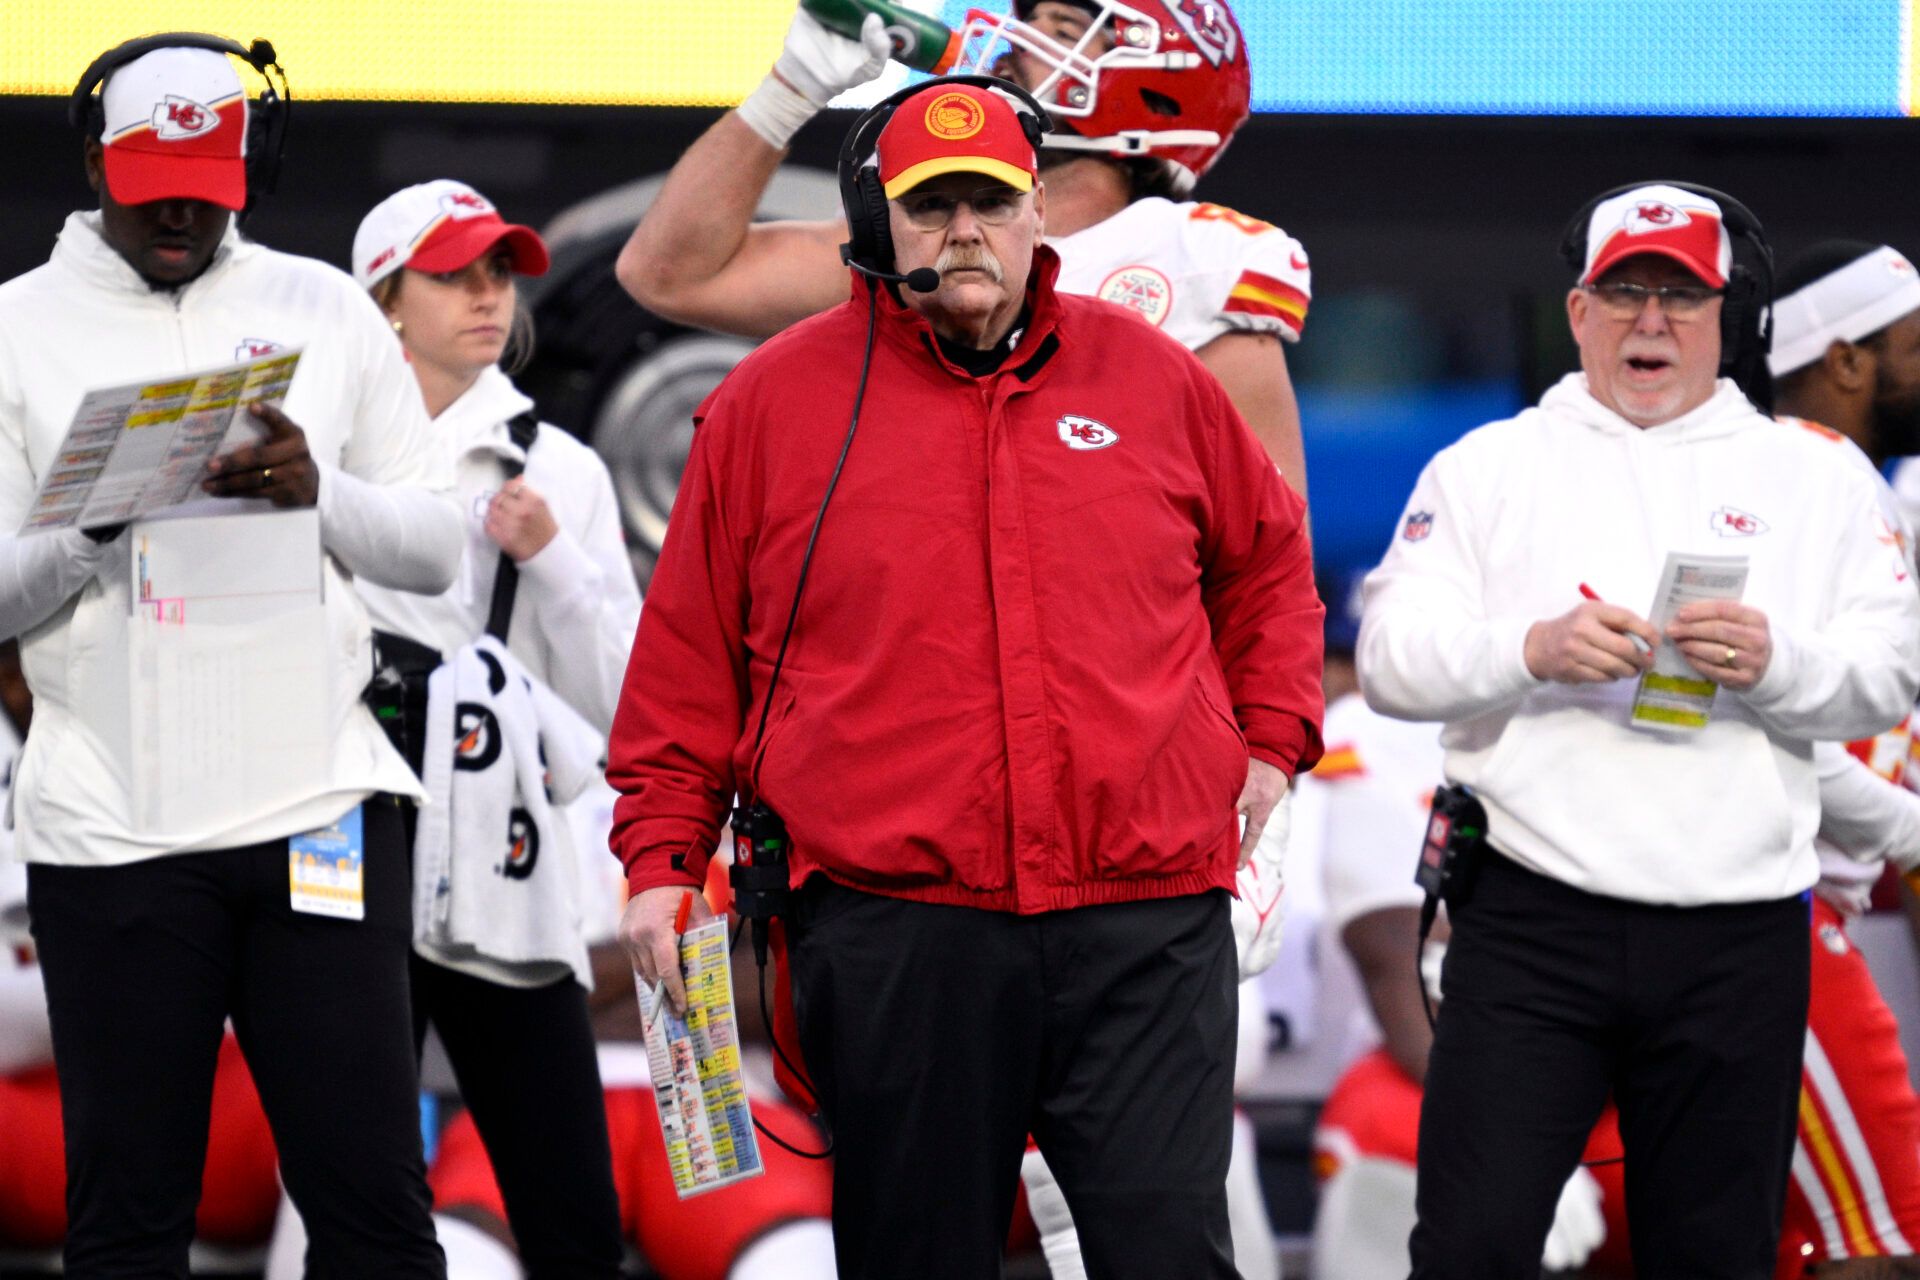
{"x": 1502, "y": 530}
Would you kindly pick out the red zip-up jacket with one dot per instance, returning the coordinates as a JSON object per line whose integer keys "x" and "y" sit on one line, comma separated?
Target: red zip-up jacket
{"x": 1051, "y": 612}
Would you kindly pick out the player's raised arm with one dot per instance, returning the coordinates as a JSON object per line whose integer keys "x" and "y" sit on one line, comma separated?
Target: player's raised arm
{"x": 698, "y": 257}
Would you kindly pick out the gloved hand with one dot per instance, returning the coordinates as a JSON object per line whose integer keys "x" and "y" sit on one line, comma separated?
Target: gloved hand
{"x": 817, "y": 66}
{"x": 1579, "y": 1227}
{"x": 821, "y": 65}
{"x": 1257, "y": 911}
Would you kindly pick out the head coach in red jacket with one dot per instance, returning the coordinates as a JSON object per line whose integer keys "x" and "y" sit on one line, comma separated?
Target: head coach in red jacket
{"x": 1057, "y": 627}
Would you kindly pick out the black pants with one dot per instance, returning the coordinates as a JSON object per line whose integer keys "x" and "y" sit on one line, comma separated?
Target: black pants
{"x": 939, "y": 1037}
{"x": 525, "y": 1061}
{"x": 143, "y": 964}
{"x": 1694, "y": 1019}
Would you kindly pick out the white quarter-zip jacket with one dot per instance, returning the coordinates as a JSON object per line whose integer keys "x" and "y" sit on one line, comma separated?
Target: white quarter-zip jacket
{"x": 576, "y": 607}
{"x": 1503, "y": 528}
{"x": 87, "y": 320}
{"x": 574, "y": 612}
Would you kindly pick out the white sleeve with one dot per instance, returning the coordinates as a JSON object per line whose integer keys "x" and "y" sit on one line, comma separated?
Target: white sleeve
{"x": 38, "y": 572}
{"x": 390, "y": 535}
{"x": 1862, "y": 814}
{"x": 1858, "y": 672}
{"x": 388, "y": 511}
{"x": 1427, "y": 649}
{"x": 1269, "y": 285}
{"x": 587, "y": 605}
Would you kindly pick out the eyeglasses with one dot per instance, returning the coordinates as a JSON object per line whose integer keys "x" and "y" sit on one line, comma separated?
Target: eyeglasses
{"x": 933, "y": 210}
{"x": 1622, "y": 301}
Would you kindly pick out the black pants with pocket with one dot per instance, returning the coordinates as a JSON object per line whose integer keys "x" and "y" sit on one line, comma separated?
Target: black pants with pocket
{"x": 525, "y": 1061}
{"x": 939, "y": 1037}
{"x": 145, "y": 962}
{"x": 1693, "y": 1018}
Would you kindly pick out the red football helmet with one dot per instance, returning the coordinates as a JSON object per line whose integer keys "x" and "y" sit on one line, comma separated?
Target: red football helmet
{"x": 1161, "y": 78}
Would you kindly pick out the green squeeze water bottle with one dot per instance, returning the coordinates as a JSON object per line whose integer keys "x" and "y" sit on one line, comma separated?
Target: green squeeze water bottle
{"x": 919, "y": 41}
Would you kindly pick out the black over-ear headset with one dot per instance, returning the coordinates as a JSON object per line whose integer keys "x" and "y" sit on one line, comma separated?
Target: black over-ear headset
{"x": 267, "y": 122}
{"x": 869, "y": 246}
{"x": 1746, "y": 314}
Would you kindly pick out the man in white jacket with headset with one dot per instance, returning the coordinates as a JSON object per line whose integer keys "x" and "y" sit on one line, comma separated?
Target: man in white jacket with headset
{"x": 1638, "y": 922}
{"x": 158, "y": 912}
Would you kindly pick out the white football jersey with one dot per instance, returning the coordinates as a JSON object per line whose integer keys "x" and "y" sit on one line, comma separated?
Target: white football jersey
{"x": 1379, "y": 775}
{"x": 1195, "y": 270}
{"x": 1370, "y": 792}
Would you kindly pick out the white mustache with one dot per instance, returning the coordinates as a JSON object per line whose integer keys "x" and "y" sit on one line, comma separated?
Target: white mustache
{"x": 959, "y": 257}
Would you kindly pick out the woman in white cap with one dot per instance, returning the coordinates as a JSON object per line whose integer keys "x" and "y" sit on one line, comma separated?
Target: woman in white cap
{"x": 527, "y": 650}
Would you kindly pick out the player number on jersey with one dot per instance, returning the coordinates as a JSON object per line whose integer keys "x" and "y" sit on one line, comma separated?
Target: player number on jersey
{"x": 1232, "y": 217}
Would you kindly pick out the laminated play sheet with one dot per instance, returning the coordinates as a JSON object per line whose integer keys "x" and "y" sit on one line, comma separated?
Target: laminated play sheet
{"x": 144, "y": 446}
{"x": 697, "y": 1081}
{"x": 1672, "y": 695}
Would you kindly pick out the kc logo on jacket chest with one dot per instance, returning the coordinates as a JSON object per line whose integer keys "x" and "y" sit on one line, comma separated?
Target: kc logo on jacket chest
{"x": 1084, "y": 433}
{"x": 1731, "y": 522}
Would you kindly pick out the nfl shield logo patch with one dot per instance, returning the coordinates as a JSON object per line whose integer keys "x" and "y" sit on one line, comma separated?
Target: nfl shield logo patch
{"x": 1419, "y": 525}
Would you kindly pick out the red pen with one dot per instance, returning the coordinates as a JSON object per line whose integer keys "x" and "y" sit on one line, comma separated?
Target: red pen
{"x": 1639, "y": 642}
{"x": 660, "y": 988}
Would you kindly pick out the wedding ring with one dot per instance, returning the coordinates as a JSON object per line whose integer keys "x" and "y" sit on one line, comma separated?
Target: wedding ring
{"x": 1732, "y": 653}
{"x": 266, "y": 478}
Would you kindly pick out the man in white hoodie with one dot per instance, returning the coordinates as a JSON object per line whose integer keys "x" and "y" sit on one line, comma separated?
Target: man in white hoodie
{"x": 1638, "y": 923}
{"x": 278, "y": 895}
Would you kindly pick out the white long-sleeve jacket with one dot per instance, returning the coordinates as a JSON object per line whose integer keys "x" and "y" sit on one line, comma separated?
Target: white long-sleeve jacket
{"x": 85, "y": 320}
{"x": 574, "y": 612}
{"x": 1501, "y": 531}
{"x": 576, "y": 607}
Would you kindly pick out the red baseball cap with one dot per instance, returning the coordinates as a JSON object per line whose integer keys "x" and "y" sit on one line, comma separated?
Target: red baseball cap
{"x": 961, "y": 129}
{"x": 439, "y": 226}
{"x": 176, "y": 129}
{"x": 1667, "y": 221}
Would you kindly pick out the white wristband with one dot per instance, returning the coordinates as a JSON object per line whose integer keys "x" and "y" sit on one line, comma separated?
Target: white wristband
{"x": 776, "y": 112}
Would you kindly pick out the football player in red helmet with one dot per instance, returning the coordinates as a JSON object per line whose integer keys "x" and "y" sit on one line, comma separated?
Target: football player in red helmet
{"x": 1161, "y": 81}
{"x": 1145, "y": 95}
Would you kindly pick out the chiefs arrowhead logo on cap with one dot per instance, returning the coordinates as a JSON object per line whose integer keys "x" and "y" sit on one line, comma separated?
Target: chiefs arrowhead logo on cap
{"x": 1654, "y": 215}
{"x": 175, "y": 118}
{"x": 465, "y": 204}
